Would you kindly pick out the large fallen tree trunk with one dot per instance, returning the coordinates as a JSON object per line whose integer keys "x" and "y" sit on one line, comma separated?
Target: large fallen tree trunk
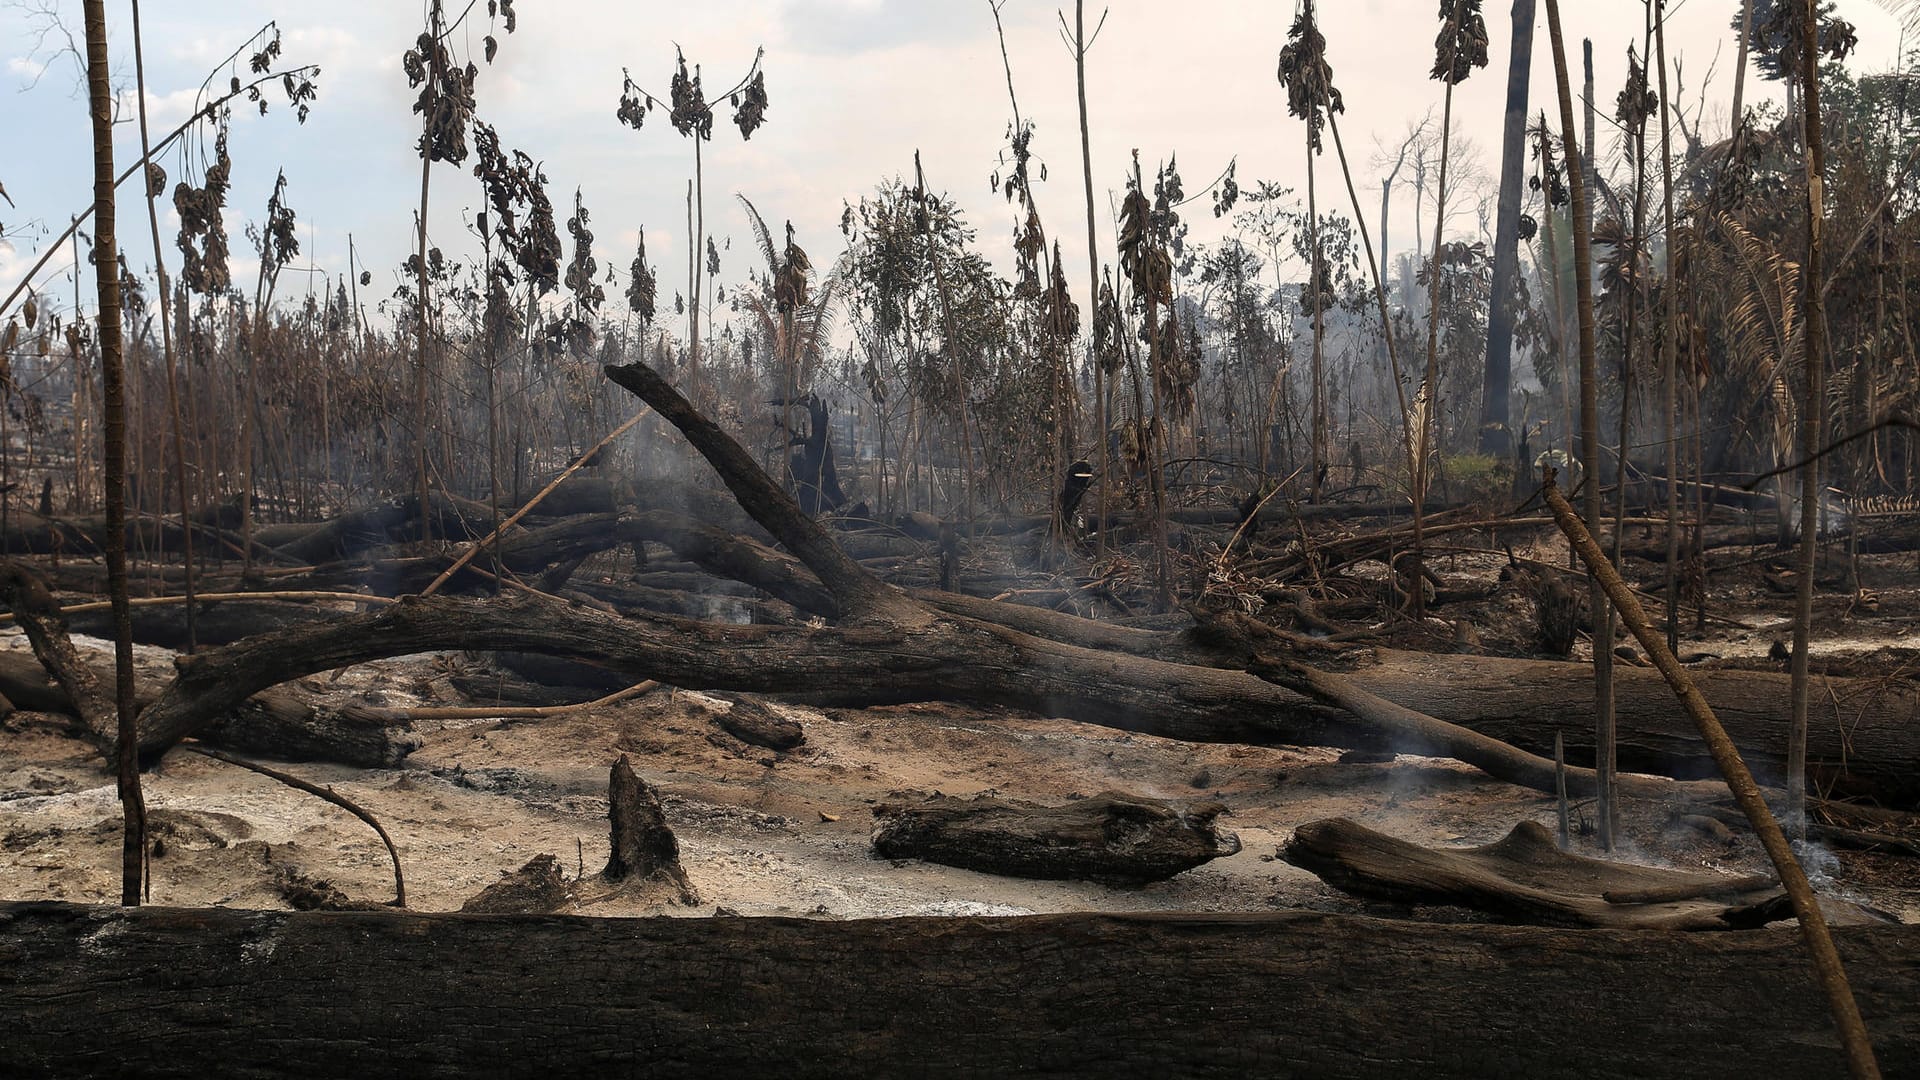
{"x": 375, "y": 994}
{"x": 1863, "y": 739}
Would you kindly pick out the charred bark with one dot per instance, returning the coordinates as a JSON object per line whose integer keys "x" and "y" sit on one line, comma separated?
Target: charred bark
{"x": 644, "y": 852}
{"x": 1114, "y": 838}
{"x": 1526, "y": 878}
{"x": 274, "y": 723}
{"x": 378, "y": 994}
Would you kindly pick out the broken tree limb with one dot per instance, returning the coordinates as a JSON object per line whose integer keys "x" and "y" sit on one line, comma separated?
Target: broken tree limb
{"x": 1813, "y": 924}
{"x": 1423, "y": 734}
{"x": 39, "y": 616}
{"x": 1113, "y": 837}
{"x": 474, "y": 548}
{"x": 202, "y": 992}
{"x": 510, "y": 712}
{"x": 859, "y": 592}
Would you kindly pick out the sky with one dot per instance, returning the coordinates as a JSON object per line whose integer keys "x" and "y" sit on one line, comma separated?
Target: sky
{"x": 856, "y": 87}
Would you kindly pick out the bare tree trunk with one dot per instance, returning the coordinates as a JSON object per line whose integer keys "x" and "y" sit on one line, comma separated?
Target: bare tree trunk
{"x": 106, "y": 272}
{"x": 699, "y": 226}
{"x": 420, "y": 421}
{"x": 1811, "y": 409}
{"x": 1317, "y": 450}
{"x": 1105, "y": 472}
{"x": 1495, "y": 437}
{"x": 1379, "y": 294}
{"x": 166, "y": 338}
{"x": 1740, "y": 71}
{"x": 1430, "y": 388}
{"x": 1589, "y": 428}
{"x": 1669, "y": 343}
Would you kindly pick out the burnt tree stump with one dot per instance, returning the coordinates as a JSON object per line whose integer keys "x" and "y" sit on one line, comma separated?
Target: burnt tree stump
{"x": 645, "y": 852}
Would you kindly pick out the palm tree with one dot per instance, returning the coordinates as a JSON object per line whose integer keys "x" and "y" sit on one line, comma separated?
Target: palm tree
{"x": 1311, "y": 97}
{"x": 793, "y": 313}
{"x": 1494, "y": 435}
{"x": 692, "y": 117}
{"x": 1461, "y": 47}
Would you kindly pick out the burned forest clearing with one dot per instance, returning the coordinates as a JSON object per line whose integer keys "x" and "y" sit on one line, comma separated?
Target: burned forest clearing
{"x": 1244, "y": 639}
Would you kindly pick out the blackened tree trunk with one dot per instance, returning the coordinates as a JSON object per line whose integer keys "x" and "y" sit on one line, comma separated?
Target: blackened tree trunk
{"x": 379, "y": 994}
{"x": 1495, "y": 437}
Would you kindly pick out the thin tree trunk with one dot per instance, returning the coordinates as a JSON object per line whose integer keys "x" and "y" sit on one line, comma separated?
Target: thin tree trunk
{"x": 1379, "y": 294}
{"x": 1669, "y": 342}
{"x": 699, "y": 226}
{"x": 1317, "y": 450}
{"x": 106, "y": 272}
{"x": 1811, "y": 409}
{"x": 1386, "y": 201}
{"x": 166, "y": 339}
{"x": 1093, "y": 269}
{"x": 1431, "y": 380}
{"x": 420, "y": 414}
{"x": 1740, "y": 72}
{"x": 1589, "y": 429}
{"x": 1632, "y": 297}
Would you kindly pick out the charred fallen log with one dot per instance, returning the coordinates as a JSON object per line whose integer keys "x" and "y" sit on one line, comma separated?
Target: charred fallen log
{"x": 277, "y": 723}
{"x": 379, "y": 994}
{"x": 384, "y": 523}
{"x": 1861, "y": 741}
{"x": 221, "y": 622}
{"x": 753, "y": 723}
{"x": 1526, "y": 878}
{"x": 1115, "y": 838}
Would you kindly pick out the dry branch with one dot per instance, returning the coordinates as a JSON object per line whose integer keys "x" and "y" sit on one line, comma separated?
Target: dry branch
{"x": 330, "y": 795}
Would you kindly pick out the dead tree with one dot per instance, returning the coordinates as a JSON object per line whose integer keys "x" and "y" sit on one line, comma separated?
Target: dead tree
{"x": 815, "y": 482}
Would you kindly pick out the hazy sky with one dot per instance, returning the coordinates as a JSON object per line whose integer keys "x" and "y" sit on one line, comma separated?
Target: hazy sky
{"x": 856, "y": 87}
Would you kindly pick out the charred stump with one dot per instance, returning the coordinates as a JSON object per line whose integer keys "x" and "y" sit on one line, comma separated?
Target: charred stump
{"x": 645, "y": 852}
